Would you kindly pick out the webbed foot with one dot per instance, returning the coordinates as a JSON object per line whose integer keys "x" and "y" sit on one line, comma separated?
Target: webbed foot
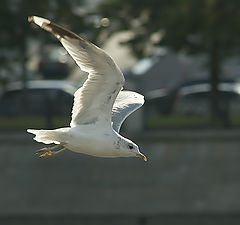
{"x": 49, "y": 151}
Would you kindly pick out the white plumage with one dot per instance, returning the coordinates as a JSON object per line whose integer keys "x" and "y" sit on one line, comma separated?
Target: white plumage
{"x": 125, "y": 104}
{"x": 99, "y": 108}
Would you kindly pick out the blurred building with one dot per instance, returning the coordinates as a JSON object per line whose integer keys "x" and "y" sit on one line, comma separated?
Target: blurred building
{"x": 167, "y": 69}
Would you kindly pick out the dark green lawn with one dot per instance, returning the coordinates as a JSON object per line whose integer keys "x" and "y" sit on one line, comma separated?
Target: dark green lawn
{"x": 156, "y": 122}
{"x": 186, "y": 121}
{"x": 24, "y": 122}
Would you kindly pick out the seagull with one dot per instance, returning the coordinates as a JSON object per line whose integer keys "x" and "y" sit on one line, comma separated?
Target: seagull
{"x": 100, "y": 105}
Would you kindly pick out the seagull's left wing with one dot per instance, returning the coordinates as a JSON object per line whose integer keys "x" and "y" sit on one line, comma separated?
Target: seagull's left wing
{"x": 94, "y": 100}
{"x": 126, "y": 103}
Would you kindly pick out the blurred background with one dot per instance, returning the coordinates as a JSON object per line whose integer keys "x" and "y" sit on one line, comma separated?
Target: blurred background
{"x": 182, "y": 55}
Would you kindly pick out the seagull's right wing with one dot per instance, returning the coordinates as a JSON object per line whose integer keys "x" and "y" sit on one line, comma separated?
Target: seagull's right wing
{"x": 94, "y": 100}
{"x": 126, "y": 103}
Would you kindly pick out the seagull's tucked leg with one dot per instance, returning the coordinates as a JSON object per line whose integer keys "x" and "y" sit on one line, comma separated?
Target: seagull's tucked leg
{"x": 50, "y": 151}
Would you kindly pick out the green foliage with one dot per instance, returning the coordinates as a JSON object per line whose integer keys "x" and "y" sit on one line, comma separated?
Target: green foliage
{"x": 16, "y": 31}
{"x": 189, "y": 25}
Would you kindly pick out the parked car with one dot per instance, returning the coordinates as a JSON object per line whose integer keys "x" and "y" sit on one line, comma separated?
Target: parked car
{"x": 39, "y": 97}
{"x": 195, "y": 99}
{"x": 158, "y": 101}
{"x": 54, "y": 63}
{"x": 192, "y": 97}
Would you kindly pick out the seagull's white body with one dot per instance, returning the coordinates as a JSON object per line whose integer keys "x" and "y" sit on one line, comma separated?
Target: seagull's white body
{"x": 87, "y": 139}
{"x": 100, "y": 106}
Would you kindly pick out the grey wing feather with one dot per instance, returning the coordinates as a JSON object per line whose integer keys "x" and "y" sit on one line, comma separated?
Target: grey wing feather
{"x": 126, "y": 103}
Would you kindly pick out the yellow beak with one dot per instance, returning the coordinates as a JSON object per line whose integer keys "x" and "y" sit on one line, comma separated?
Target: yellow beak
{"x": 142, "y": 157}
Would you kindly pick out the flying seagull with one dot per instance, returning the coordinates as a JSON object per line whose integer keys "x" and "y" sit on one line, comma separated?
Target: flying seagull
{"x": 100, "y": 105}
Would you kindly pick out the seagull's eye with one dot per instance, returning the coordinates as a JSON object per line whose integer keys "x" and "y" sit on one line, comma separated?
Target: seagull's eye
{"x": 130, "y": 146}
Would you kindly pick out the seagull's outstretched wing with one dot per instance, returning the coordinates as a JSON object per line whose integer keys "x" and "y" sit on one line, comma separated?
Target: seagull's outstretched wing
{"x": 126, "y": 103}
{"x": 94, "y": 100}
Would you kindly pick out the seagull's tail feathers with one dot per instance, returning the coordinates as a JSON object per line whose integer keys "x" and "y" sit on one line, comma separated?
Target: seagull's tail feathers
{"x": 48, "y": 136}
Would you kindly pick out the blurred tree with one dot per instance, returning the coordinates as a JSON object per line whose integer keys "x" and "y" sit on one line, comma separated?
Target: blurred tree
{"x": 211, "y": 27}
{"x": 16, "y": 31}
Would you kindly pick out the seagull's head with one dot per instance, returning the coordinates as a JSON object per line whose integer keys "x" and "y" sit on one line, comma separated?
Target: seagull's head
{"x": 133, "y": 150}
